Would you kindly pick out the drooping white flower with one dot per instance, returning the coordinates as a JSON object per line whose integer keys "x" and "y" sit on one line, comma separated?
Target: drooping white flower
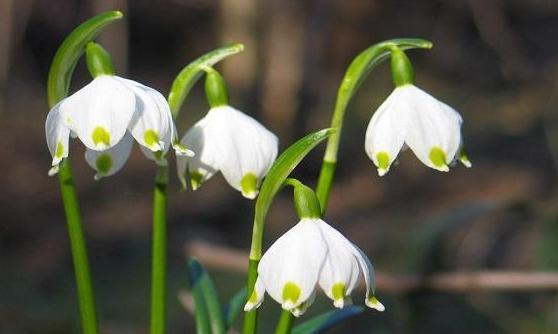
{"x": 232, "y": 142}
{"x": 105, "y": 115}
{"x": 311, "y": 254}
{"x": 412, "y": 118}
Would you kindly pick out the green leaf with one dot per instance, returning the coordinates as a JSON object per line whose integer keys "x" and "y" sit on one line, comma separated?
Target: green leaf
{"x": 325, "y": 321}
{"x": 234, "y": 307}
{"x": 277, "y": 175}
{"x": 70, "y": 51}
{"x": 204, "y": 292}
{"x": 186, "y": 79}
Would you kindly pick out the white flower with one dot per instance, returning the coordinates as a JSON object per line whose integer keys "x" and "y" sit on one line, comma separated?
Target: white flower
{"x": 312, "y": 253}
{"x": 105, "y": 115}
{"x": 232, "y": 142}
{"x": 411, "y": 117}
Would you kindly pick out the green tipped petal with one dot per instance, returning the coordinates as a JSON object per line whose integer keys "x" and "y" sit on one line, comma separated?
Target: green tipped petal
{"x": 438, "y": 158}
{"x": 151, "y": 138}
{"x": 374, "y": 303}
{"x": 465, "y": 159}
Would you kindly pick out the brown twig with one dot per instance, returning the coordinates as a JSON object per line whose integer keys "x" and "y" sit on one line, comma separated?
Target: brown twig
{"x": 223, "y": 258}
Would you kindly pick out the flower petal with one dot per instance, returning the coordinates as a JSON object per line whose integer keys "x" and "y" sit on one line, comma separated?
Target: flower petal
{"x": 250, "y": 151}
{"x": 57, "y": 136}
{"x": 369, "y": 278}
{"x": 433, "y": 128}
{"x": 110, "y": 161}
{"x": 290, "y": 268}
{"x": 340, "y": 272}
{"x": 205, "y": 143}
{"x": 99, "y": 113}
{"x": 385, "y": 133}
{"x": 151, "y": 124}
{"x": 257, "y": 296}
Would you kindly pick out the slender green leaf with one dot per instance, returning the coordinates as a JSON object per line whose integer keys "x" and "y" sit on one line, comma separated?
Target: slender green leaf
{"x": 202, "y": 283}
{"x": 234, "y": 307}
{"x": 326, "y": 320}
{"x": 70, "y": 51}
{"x": 275, "y": 178}
{"x": 186, "y": 79}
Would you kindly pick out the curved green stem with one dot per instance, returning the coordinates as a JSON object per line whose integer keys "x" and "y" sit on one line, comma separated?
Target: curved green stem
{"x": 285, "y": 324}
{"x": 357, "y": 71}
{"x": 159, "y": 253}
{"x": 79, "y": 249}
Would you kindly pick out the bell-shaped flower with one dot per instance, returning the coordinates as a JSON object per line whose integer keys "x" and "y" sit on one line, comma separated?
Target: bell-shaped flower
{"x": 311, "y": 254}
{"x": 229, "y": 141}
{"x": 105, "y": 115}
{"x": 412, "y": 118}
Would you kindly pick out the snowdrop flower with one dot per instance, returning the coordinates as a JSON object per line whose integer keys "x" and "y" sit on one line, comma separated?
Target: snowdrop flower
{"x": 107, "y": 115}
{"x": 229, "y": 141}
{"x": 412, "y": 118}
{"x": 311, "y": 254}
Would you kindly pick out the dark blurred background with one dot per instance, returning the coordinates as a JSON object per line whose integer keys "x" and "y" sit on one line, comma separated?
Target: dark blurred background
{"x": 496, "y": 61}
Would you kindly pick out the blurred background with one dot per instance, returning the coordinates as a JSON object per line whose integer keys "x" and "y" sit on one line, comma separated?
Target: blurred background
{"x": 495, "y": 61}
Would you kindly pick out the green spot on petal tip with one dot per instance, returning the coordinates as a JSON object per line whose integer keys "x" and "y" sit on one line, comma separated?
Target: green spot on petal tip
{"x": 249, "y": 185}
{"x": 100, "y": 137}
{"x": 59, "y": 150}
{"x": 151, "y": 138}
{"x": 338, "y": 293}
{"x": 438, "y": 158}
{"x": 374, "y": 303}
{"x": 103, "y": 164}
{"x": 291, "y": 293}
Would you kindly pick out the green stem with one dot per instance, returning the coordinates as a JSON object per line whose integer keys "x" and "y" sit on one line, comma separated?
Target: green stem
{"x": 79, "y": 251}
{"x": 285, "y": 324}
{"x": 251, "y": 318}
{"x": 159, "y": 252}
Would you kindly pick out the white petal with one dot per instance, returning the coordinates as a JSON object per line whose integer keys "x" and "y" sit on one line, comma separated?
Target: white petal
{"x": 295, "y": 260}
{"x": 340, "y": 273}
{"x": 257, "y": 296}
{"x": 99, "y": 113}
{"x": 303, "y": 307}
{"x": 431, "y": 125}
{"x": 250, "y": 151}
{"x": 152, "y": 124}
{"x": 369, "y": 278}
{"x": 385, "y": 133}
{"x": 57, "y": 135}
{"x": 110, "y": 161}
{"x": 204, "y": 141}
